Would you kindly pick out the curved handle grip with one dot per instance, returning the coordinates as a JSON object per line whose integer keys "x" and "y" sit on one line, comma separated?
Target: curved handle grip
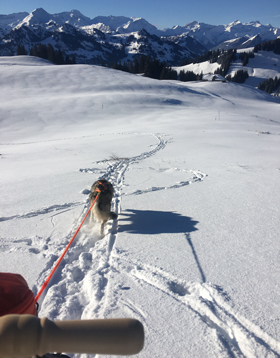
{"x": 26, "y": 335}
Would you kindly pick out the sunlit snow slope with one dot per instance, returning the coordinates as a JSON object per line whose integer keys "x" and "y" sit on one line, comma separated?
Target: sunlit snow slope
{"x": 194, "y": 254}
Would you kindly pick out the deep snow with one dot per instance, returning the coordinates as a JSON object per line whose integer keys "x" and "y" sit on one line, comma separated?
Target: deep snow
{"x": 194, "y": 254}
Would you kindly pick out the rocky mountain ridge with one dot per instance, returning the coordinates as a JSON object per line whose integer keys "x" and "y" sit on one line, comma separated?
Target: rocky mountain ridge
{"x": 119, "y": 38}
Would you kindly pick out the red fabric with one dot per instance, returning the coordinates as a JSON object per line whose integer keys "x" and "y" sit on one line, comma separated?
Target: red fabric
{"x": 15, "y": 295}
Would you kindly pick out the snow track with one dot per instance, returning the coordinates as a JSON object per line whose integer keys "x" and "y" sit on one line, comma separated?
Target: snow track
{"x": 78, "y": 288}
{"x": 236, "y": 336}
{"x": 175, "y": 232}
{"x": 43, "y": 211}
{"x": 81, "y": 287}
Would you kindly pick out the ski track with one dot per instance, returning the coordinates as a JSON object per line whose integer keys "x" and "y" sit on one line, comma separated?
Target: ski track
{"x": 78, "y": 290}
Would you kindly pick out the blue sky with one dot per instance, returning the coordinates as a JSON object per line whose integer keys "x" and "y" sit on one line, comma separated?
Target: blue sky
{"x": 161, "y": 13}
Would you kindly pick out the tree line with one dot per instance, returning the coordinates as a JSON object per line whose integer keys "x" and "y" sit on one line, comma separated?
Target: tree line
{"x": 270, "y": 85}
{"x": 273, "y": 45}
{"x": 47, "y": 52}
{"x": 156, "y": 69}
{"x": 239, "y": 77}
{"x": 153, "y": 68}
{"x": 244, "y": 56}
{"x": 149, "y": 67}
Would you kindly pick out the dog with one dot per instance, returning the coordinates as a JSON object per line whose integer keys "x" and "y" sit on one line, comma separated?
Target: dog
{"x": 101, "y": 209}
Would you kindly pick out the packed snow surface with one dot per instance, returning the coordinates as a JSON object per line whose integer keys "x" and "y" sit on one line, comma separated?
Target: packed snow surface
{"x": 195, "y": 251}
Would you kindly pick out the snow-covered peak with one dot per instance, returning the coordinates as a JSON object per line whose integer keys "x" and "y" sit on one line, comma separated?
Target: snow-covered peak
{"x": 8, "y": 22}
{"x": 234, "y": 23}
{"x": 214, "y": 35}
{"x": 175, "y": 31}
{"x": 196, "y": 25}
{"x": 73, "y": 17}
{"x": 40, "y": 16}
{"x": 210, "y": 36}
{"x": 12, "y": 19}
{"x": 37, "y": 16}
{"x": 111, "y": 21}
{"x": 193, "y": 24}
{"x": 136, "y": 24}
{"x": 100, "y": 26}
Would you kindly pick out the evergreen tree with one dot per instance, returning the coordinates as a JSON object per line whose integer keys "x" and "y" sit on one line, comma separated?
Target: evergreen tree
{"x": 74, "y": 60}
{"x": 270, "y": 85}
{"x": 147, "y": 68}
{"x": 21, "y": 50}
{"x": 273, "y": 45}
{"x": 136, "y": 66}
{"x": 58, "y": 57}
{"x": 67, "y": 60}
{"x": 43, "y": 51}
{"x": 34, "y": 51}
{"x": 189, "y": 76}
{"x": 51, "y": 54}
{"x": 244, "y": 56}
{"x": 142, "y": 64}
{"x": 239, "y": 77}
{"x": 168, "y": 74}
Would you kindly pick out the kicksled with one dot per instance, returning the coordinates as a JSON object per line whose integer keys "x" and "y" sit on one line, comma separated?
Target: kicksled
{"x": 23, "y": 334}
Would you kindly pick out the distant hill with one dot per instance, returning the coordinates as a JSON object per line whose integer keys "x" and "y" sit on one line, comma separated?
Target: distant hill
{"x": 260, "y": 64}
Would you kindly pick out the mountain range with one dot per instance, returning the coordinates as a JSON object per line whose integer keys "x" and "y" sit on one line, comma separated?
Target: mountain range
{"x": 117, "y": 38}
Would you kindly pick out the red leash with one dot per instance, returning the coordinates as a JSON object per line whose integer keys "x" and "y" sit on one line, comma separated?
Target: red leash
{"x": 45, "y": 284}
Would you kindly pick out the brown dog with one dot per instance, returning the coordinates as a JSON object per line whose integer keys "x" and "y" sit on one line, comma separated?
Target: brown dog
{"x": 101, "y": 209}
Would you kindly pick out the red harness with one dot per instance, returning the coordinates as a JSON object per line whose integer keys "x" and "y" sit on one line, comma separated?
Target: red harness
{"x": 100, "y": 190}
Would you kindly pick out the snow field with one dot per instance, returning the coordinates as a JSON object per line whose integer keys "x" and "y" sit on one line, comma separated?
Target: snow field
{"x": 194, "y": 254}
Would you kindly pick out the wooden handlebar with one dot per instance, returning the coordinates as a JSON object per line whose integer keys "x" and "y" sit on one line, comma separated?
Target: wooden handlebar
{"x": 24, "y": 336}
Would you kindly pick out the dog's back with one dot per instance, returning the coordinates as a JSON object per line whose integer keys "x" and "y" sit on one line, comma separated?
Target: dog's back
{"x": 102, "y": 208}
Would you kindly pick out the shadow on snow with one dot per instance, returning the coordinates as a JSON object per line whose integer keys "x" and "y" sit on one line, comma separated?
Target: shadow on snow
{"x": 149, "y": 222}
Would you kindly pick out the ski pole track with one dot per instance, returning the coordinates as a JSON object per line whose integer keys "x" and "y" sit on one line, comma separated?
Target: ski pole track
{"x": 235, "y": 334}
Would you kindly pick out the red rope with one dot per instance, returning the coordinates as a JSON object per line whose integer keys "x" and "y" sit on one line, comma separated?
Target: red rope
{"x": 45, "y": 284}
